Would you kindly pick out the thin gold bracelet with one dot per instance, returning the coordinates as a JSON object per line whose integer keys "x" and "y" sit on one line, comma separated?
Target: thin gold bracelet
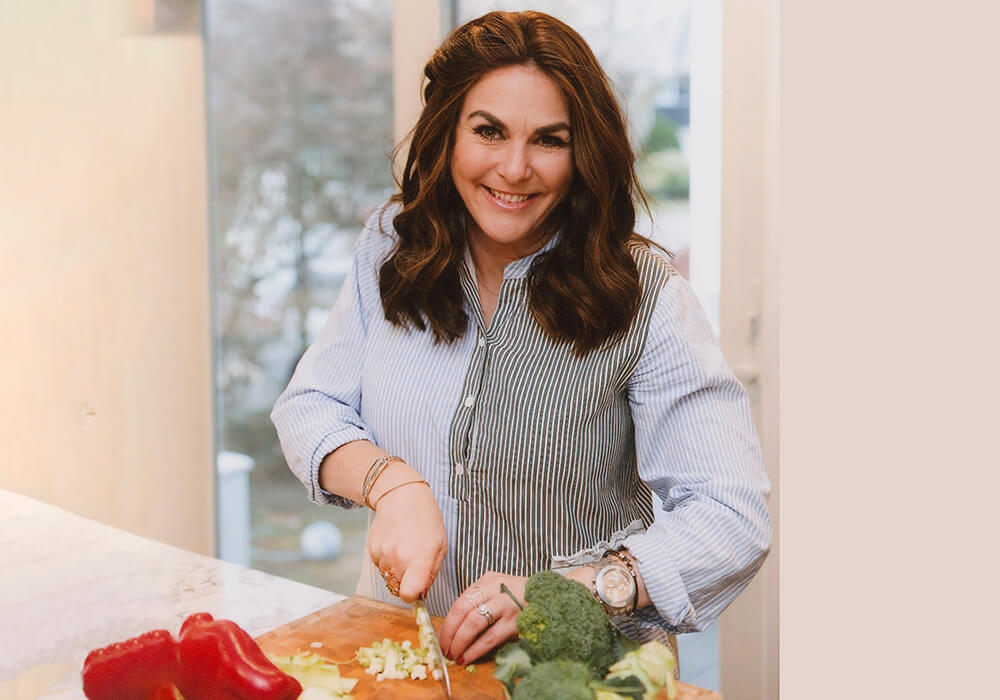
{"x": 374, "y": 472}
{"x": 398, "y": 486}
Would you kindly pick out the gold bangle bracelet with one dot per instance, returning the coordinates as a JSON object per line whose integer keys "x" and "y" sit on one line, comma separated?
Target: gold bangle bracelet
{"x": 398, "y": 486}
{"x": 374, "y": 472}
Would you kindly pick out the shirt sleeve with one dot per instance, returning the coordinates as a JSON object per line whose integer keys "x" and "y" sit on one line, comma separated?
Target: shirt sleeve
{"x": 320, "y": 408}
{"x": 697, "y": 449}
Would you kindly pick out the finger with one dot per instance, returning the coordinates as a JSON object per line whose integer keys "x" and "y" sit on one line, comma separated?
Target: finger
{"x": 498, "y": 633}
{"x": 385, "y": 567}
{"x": 438, "y": 561}
{"x": 475, "y": 595}
{"x": 374, "y": 555}
{"x": 461, "y": 633}
{"x": 416, "y": 579}
{"x": 454, "y": 619}
{"x": 465, "y": 604}
{"x": 473, "y": 625}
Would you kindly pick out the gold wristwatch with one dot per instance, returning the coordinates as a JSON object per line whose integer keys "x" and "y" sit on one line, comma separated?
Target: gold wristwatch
{"x": 615, "y": 585}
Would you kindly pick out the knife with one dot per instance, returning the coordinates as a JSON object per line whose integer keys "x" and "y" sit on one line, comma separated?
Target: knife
{"x": 428, "y": 638}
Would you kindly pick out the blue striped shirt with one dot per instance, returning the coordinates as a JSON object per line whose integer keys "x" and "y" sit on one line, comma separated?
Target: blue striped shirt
{"x": 539, "y": 458}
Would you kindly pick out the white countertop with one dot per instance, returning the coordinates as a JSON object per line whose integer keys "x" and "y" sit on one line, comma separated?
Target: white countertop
{"x": 69, "y": 585}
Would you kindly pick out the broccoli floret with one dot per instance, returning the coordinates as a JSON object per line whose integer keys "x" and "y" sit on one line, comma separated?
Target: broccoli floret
{"x": 555, "y": 680}
{"x": 562, "y": 620}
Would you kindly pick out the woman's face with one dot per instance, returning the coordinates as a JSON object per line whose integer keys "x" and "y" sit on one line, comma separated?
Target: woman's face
{"x": 512, "y": 161}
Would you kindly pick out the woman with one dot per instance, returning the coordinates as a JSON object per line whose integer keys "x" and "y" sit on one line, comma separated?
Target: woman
{"x": 510, "y": 371}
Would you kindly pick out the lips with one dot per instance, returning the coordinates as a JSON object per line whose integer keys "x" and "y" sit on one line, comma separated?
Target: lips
{"x": 508, "y": 200}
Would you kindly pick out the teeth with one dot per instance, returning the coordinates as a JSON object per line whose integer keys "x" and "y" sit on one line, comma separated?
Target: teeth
{"x": 509, "y": 198}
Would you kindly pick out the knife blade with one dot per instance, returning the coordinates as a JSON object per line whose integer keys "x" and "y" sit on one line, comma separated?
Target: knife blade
{"x": 428, "y": 638}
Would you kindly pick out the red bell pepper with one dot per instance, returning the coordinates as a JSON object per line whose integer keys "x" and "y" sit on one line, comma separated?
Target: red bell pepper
{"x": 136, "y": 669}
{"x": 210, "y": 660}
{"x": 219, "y": 659}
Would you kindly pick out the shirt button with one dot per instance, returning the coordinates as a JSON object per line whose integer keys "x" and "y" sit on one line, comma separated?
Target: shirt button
{"x": 459, "y": 469}
{"x": 469, "y": 400}
{"x": 482, "y": 342}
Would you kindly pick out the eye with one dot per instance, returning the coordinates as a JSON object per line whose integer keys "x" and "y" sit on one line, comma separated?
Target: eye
{"x": 487, "y": 131}
{"x": 549, "y": 141}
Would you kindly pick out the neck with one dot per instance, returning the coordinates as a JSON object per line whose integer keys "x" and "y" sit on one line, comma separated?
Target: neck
{"x": 489, "y": 270}
{"x": 491, "y": 258}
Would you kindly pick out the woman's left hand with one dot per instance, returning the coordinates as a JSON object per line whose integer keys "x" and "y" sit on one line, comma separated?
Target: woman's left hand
{"x": 468, "y": 631}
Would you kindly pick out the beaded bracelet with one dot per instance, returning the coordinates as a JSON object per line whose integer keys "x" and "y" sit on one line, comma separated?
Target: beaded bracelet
{"x": 374, "y": 472}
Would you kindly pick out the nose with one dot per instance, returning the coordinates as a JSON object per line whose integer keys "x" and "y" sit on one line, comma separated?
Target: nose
{"x": 514, "y": 165}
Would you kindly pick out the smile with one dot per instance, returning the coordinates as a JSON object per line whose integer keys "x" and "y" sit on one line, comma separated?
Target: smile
{"x": 508, "y": 200}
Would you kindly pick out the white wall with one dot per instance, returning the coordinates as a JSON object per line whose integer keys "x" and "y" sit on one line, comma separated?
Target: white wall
{"x": 105, "y": 363}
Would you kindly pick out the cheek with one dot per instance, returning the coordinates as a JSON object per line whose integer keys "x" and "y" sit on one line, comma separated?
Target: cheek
{"x": 559, "y": 173}
{"x": 467, "y": 162}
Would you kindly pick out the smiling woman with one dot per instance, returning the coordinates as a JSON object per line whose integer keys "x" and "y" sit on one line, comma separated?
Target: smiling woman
{"x": 511, "y": 371}
{"x": 516, "y": 104}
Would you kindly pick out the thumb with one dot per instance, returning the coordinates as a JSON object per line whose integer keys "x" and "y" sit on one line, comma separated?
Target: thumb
{"x": 416, "y": 580}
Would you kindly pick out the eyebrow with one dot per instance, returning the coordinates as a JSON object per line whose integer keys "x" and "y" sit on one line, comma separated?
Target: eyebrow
{"x": 497, "y": 124}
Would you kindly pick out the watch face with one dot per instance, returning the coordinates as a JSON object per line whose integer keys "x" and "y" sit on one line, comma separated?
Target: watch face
{"x": 615, "y": 586}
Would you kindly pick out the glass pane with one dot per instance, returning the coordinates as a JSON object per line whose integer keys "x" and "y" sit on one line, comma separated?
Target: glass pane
{"x": 645, "y": 49}
{"x": 300, "y": 99}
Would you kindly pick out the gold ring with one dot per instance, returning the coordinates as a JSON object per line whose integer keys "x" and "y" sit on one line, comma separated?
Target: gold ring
{"x": 485, "y": 612}
{"x": 391, "y": 582}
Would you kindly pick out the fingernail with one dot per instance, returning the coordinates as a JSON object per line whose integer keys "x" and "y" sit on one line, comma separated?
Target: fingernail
{"x": 461, "y": 661}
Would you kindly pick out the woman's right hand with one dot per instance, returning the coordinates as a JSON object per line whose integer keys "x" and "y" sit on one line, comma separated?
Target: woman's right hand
{"x": 407, "y": 537}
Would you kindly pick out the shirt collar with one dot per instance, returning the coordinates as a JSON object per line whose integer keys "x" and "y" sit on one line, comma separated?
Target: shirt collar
{"x": 516, "y": 269}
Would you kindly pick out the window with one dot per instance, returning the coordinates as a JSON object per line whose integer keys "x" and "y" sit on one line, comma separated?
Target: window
{"x": 300, "y": 108}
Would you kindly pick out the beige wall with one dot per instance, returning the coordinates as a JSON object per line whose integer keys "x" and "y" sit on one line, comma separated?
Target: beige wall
{"x": 105, "y": 375}
{"x": 748, "y": 632}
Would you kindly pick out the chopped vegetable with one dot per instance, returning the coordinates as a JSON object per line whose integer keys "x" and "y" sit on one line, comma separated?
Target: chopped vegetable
{"x": 425, "y": 627}
{"x": 320, "y": 678}
{"x": 394, "y": 661}
{"x": 653, "y": 664}
{"x": 471, "y": 668}
{"x": 389, "y": 660}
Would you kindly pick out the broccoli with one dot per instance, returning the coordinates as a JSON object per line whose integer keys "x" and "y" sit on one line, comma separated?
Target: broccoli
{"x": 555, "y": 680}
{"x": 562, "y": 620}
{"x": 513, "y": 663}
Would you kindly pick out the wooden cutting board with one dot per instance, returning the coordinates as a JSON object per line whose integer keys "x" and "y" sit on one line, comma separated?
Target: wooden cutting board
{"x": 356, "y": 622}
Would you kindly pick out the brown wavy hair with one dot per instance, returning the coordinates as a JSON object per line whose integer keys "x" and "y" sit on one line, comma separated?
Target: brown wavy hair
{"x": 585, "y": 290}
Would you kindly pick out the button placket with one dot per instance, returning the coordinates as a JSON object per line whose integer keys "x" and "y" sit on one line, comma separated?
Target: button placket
{"x": 463, "y": 424}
